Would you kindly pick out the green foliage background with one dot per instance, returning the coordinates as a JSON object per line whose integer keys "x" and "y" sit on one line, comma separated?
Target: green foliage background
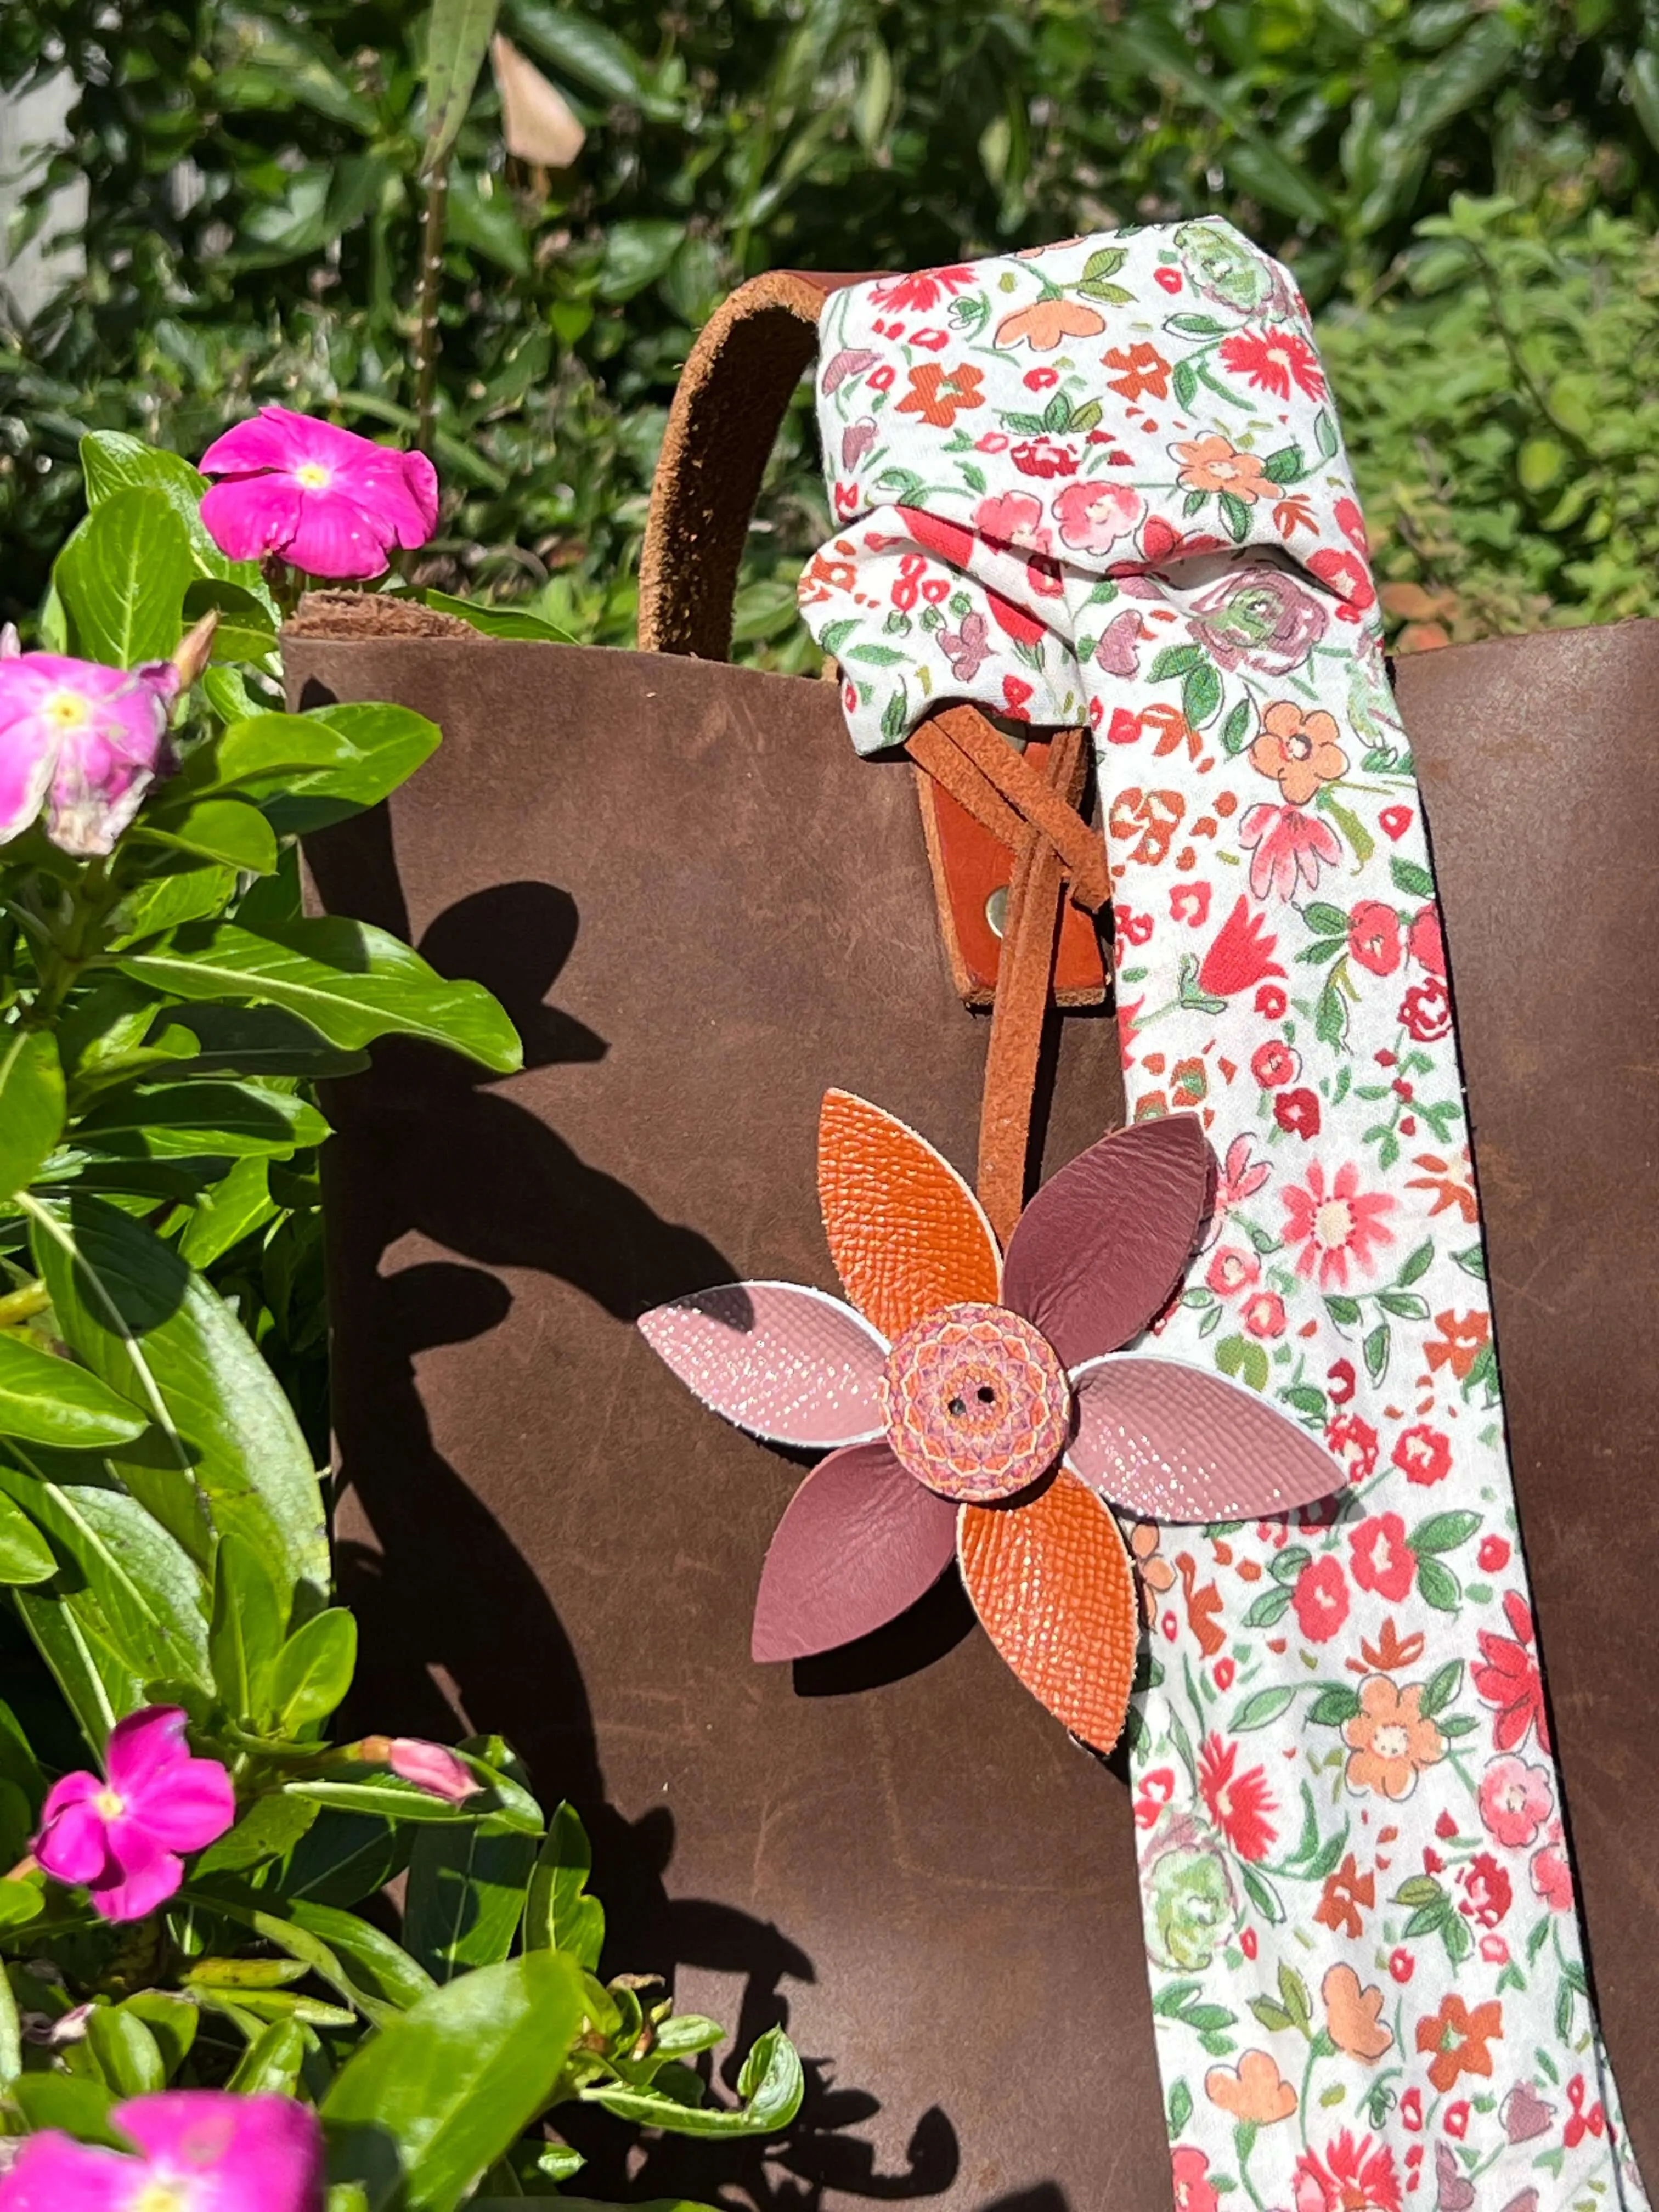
{"x": 254, "y": 206}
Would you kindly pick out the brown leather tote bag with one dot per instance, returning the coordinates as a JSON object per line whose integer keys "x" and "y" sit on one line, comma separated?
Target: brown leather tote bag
{"x": 702, "y": 910}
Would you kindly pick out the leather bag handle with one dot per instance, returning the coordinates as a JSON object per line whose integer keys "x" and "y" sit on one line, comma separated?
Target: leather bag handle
{"x": 728, "y": 409}
{"x": 727, "y": 414}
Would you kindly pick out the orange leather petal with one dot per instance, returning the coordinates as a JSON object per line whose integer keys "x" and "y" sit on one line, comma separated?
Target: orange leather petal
{"x": 1051, "y": 1582}
{"x": 906, "y": 1233}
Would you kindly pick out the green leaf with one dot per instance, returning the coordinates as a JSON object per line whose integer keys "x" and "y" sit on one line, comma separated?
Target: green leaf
{"x": 316, "y": 767}
{"x": 1404, "y": 1305}
{"x": 558, "y": 1914}
{"x": 31, "y": 1105}
{"x": 465, "y": 1896}
{"x": 1377, "y": 1352}
{"x": 25, "y": 1555}
{"x": 1261, "y": 1708}
{"x": 1437, "y": 1586}
{"x": 578, "y": 47}
{"x": 636, "y": 254}
{"x": 380, "y": 1969}
{"x": 1419, "y": 1890}
{"x": 386, "y": 1796}
{"x": 1343, "y": 1310}
{"x": 1236, "y": 728}
{"x": 271, "y": 1827}
{"x": 429, "y": 2104}
{"x": 231, "y": 1209}
{"x": 1244, "y": 1358}
{"x": 1287, "y": 466}
{"x": 1442, "y": 1532}
{"x": 122, "y": 579}
{"x": 137, "y": 1315}
{"x": 183, "y": 1121}
{"x": 352, "y": 982}
{"x": 74, "y": 2103}
{"x": 147, "y": 1593}
{"x": 1271, "y": 1606}
{"x": 245, "y": 629}
{"x": 271, "y": 2064}
{"x": 1336, "y": 1704}
{"x": 1175, "y": 660}
{"x": 314, "y": 1670}
{"x": 1414, "y": 881}
{"x": 114, "y": 461}
{"x": 771, "y": 2085}
{"x": 1472, "y": 1262}
{"x": 49, "y": 1399}
{"x": 171, "y": 2018}
{"x": 1331, "y": 1017}
{"x": 1180, "y": 2109}
{"x": 244, "y": 1633}
{"x": 1418, "y": 1266}
{"x": 124, "y": 2052}
{"x": 1325, "y": 920}
{"x": 1200, "y": 695}
{"x": 342, "y": 1858}
{"x": 228, "y": 830}
{"x": 457, "y": 39}
{"x": 501, "y": 622}
{"x": 1442, "y": 1687}
{"x": 1236, "y": 514}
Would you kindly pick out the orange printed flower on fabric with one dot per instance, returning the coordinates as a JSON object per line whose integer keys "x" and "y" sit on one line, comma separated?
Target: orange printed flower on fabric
{"x": 1353, "y": 2014}
{"x": 1391, "y": 1739}
{"x": 1214, "y": 463}
{"x": 1141, "y": 369}
{"x": 980, "y": 1408}
{"x": 940, "y": 395}
{"x": 1298, "y": 749}
{"x": 1347, "y": 1894}
{"x": 1254, "y": 2091}
{"x": 1460, "y": 2040}
{"x": 1461, "y": 1340}
{"x": 1047, "y": 323}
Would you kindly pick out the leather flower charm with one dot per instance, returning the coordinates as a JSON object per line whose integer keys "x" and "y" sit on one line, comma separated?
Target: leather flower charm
{"x": 981, "y": 1408}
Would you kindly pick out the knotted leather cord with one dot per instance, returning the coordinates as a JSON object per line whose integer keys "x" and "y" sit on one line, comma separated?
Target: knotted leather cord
{"x": 727, "y": 413}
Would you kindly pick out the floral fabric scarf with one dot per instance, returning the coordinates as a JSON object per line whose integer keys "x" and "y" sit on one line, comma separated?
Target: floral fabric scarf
{"x": 1104, "y": 482}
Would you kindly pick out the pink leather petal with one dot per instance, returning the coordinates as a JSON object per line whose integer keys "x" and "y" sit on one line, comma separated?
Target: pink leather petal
{"x": 792, "y": 1364}
{"x": 858, "y": 1544}
{"x": 1096, "y": 1252}
{"x": 1175, "y": 1443}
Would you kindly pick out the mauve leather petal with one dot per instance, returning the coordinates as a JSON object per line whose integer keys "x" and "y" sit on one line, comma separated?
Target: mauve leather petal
{"x": 1096, "y": 1252}
{"x": 1051, "y": 1583}
{"x": 1175, "y": 1443}
{"x": 858, "y": 1544}
{"x": 789, "y": 1364}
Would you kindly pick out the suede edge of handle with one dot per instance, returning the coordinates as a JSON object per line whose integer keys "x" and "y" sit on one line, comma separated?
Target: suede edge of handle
{"x": 725, "y": 419}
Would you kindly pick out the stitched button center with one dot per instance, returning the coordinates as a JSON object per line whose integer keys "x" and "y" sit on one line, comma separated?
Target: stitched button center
{"x": 976, "y": 1405}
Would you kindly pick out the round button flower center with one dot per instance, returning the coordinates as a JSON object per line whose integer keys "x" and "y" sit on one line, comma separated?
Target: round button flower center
{"x": 1334, "y": 1223}
{"x": 976, "y": 1405}
{"x": 313, "y": 475}
{"x": 108, "y": 1805}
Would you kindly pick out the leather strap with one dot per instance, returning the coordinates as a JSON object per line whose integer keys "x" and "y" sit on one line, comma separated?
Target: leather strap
{"x": 728, "y": 408}
{"x": 727, "y": 411}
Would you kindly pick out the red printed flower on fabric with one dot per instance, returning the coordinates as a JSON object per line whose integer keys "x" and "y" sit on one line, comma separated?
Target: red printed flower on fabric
{"x": 1272, "y": 359}
{"x": 1239, "y": 1804}
{"x": 1352, "y": 2177}
{"x": 1508, "y": 1678}
{"x": 980, "y": 1408}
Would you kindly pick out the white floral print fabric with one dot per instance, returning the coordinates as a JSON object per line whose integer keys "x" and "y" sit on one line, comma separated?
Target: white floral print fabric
{"x": 1104, "y": 483}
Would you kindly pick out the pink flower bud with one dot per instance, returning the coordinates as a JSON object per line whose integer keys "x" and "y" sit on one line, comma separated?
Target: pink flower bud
{"x": 430, "y": 1766}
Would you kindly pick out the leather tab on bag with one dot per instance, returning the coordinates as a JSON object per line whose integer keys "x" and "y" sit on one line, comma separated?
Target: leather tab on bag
{"x": 972, "y": 872}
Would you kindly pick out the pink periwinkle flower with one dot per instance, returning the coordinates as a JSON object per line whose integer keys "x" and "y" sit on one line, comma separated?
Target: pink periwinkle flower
{"x": 430, "y": 1766}
{"x": 122, "y": 1835}
{"x": 83, "y": 741}
{"x": 327, "y": 500}
{"x": 198, "y": 2150}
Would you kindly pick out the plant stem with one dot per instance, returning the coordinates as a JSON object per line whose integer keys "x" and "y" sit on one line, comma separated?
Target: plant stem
{"x": 427, "y": 341}
{"x": 90, "y": 901}
{"x": 23, "y": 1304}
